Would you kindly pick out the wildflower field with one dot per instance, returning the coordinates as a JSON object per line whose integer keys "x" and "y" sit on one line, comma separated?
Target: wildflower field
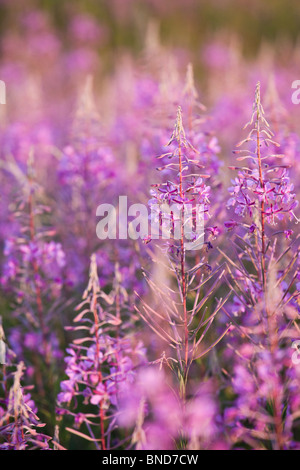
{"x": 149, "y": 235}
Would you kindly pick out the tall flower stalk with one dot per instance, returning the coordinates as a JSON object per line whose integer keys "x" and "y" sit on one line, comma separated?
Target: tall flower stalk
{"x": 264, "y": 282}
{"x": 178, "y": 323}
{"x": 33, "y": 279}
{"x": 100, "y": 362}
{"x": 19, "y": 423}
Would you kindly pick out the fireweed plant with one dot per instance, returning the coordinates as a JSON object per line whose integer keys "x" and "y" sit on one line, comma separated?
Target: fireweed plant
{"x": 182, "y": 317}
{"x": 86, "y": 168}
{"x": 33, "y": 275}
{"x": 100, "y": 362}
{"x": 19, "y": 424}
{"x": 264, "y": 276}
{"x": 18, "y": 421}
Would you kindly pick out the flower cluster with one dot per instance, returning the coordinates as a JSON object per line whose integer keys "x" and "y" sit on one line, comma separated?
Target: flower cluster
{"x": 261, "y": 183}
{"x": 158, "y": 417}
{"x": 19, "y": 424}
{"x": 265, "y": 309}
{"x": 99, "y": 363}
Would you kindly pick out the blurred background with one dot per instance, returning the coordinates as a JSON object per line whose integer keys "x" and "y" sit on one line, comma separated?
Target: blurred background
{"x": 184, "y": 23}
{"x": 59, "y": 42}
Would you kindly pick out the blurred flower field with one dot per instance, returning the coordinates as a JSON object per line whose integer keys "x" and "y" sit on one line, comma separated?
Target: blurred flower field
{"x": 144, "y": 343}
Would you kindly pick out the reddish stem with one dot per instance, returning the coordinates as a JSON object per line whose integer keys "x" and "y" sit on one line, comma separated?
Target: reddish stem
{"x": 182, "y": 263}
{"x": 102, "y": 414}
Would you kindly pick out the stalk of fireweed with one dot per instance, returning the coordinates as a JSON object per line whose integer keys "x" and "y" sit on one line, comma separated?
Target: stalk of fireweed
{"x": 87, "y": 168}
{"x": 19, "y": 424}
{"x": 100, "y": 361}
{"x": 182, "y": 317}
{"x": 263, "y": 277}
{"x": 33, "y": 277}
